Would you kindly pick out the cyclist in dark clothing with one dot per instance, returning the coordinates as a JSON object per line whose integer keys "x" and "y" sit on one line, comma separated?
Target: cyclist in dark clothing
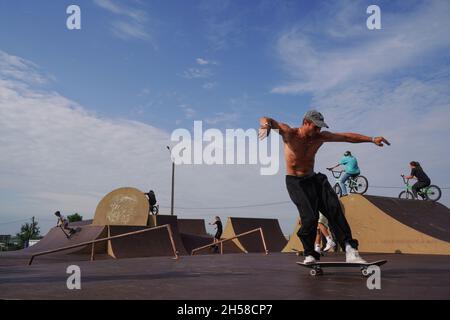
{"x": 219, "y": 231}
{"x": 422, "y": 179}
{"x": 153, "y": 209}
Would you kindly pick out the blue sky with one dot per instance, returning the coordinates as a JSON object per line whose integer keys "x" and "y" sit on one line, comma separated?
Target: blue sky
{"x": 149, "y": 72}
{"x": 83, "y": 112}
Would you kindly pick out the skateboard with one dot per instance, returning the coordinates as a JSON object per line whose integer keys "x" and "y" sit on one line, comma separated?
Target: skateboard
{"x": 316, "y": 268}
{"x": 299, "y": 253}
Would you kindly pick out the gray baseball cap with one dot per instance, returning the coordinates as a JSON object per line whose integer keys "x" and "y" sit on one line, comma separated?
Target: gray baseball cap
{"x": 316, "y": 117}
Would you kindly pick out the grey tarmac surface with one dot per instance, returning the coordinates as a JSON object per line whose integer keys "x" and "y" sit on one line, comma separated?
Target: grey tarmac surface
{"x": 227, "y": 277}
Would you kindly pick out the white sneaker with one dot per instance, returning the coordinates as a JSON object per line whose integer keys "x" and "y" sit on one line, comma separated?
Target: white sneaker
{"x": 352, "y": 256}
{"x": 317, "y": 248}
{"x": 330, "y": 244}
{"x": 309, "y": 260}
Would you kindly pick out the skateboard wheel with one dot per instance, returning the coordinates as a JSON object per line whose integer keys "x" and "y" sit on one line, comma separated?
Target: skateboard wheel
{"x": 365, "y": 272}
{"x": 316, "y": 272}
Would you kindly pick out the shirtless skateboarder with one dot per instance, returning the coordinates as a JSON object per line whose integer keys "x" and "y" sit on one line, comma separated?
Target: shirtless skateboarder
{"x": 311, "y": 192}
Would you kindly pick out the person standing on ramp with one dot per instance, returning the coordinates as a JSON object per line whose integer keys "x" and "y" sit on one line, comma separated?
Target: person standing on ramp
{"x": 218, "y": 223}
{"x": 311, "y": 192}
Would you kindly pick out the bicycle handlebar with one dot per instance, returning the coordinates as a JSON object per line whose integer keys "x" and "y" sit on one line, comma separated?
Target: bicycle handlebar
{"x": 329, "y": 169}
{"x": 405, "y": 181}
{"x": 336, "y": 174}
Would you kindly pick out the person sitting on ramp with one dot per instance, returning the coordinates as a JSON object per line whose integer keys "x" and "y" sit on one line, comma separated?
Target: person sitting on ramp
{"x": 63, "y": 223}
{"x": 311, "y": 192}
{"x": 218, "y": 223}
{"x": 423, "y": 180}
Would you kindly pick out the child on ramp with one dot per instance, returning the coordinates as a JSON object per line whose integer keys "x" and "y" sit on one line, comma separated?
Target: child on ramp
{"x": 63, "y": 223}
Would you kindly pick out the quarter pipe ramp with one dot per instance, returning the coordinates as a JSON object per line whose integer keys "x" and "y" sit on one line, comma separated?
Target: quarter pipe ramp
{"x": 389, "y": 225}
{"x": 275, "y": 240}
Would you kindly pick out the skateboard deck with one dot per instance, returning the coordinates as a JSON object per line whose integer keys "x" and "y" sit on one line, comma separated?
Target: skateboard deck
{"x": 316, "y": 268}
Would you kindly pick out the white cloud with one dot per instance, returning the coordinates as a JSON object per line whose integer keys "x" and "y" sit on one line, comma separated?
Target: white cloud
{"x": 189, "y": 113}
{"x": 127, "y": 30}
{"x": 221, "y": 31}
{"x": 222, "y": 117}
{"x": 56, "y": 155}
{"x": 21, "y": 69}
{"x": 201, "y": 61}
{"x": 201, "y": 73}
{"x": 144, "y": 92}
{"x": 406, "y": 39}
{"x": 209, "y": 85}
{"x": 122, "y": 10}
{"x": 196, "y": 73}
{"x": 204, "y": 62}
{"x": 132, "y": 23}
{"x": 393, "y": 82}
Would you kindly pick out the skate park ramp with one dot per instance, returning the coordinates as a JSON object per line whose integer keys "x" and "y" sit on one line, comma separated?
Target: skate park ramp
{"x": 157, "y": 243}
{"x": 159, "y": 220}
{"x": 55, "y": 239}
{"x": 193, "y": 241}
{"x": 193, "y": 234}
{"x": 192, "y": 226}
{"x": 431, "y": 218}
{"x": 294, "y": 244}
{"x": 81, "y": 223}
{"x": 275, "y": 240}
{"x": 388, "y": 225}
{"x": 147, "y": 244}
{"x": 123, "y": 206}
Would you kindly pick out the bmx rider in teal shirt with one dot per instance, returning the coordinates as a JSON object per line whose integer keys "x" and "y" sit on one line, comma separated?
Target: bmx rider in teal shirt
{"x": 351, "y": 170}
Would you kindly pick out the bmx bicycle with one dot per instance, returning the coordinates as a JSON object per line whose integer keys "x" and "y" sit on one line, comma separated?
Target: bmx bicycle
{"x": 431, "y": 193}
{"x": 153, "y": 207}
{"x": 357, "y": 184}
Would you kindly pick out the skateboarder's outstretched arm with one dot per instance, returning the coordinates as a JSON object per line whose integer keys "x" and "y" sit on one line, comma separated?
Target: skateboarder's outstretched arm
{"x": 267, "y": 124}
{"x": 327, "y": 136}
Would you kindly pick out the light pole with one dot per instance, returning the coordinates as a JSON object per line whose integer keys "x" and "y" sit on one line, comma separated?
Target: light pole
{"x": 173, "y": 183}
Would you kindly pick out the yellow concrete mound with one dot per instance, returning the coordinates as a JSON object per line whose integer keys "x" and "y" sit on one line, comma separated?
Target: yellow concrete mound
{"x": 381, "y": 225}
{"x": 122, "y": 207}
{"x": 377, "y": 231}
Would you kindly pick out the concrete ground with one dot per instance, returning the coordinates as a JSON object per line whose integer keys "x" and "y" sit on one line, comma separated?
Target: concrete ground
{"x": 225, "y": 277}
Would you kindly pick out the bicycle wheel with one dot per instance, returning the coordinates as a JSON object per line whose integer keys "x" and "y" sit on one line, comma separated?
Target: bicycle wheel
{"x": 359, "y": 185}
{"x": 154, "y": 210}
{"x": 337, "y": 189}
{"x": 406, "y": 195}
{"x": 433, "y": 193}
